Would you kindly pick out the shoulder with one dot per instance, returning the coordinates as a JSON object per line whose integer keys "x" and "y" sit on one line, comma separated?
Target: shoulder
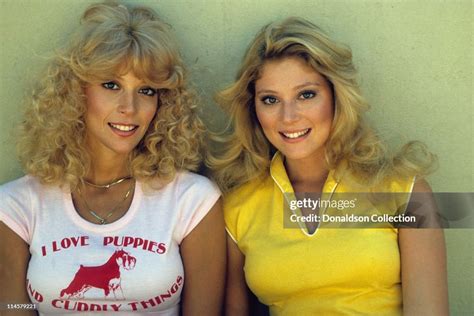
{"x": 21, "y": 186}
{"x": 395, "y": 184}
{"x": 421, "y": 185}
{"x": 186, "y": 180}
{"x": 195, "y": 196}
{"x": 27, "y": 192}
{"x": 18, "y": 205}
{"x": 248, "y": 193}
{"x": 240, "y": 204}
{"x": 402, "y": 184}
{"x": 390, "y": 181}
{"x": 182, "y": 182}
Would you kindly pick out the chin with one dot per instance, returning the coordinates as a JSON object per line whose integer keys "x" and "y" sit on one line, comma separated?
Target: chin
{"x": 121, "y": 150}
{"x": 295, "y": 156}
{"x": 301, "y": 154}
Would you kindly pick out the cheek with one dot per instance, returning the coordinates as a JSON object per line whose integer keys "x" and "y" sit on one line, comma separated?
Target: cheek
{"x": 329, "y": 114}
{"x": 94, "y": 105}
{"x": 323, "y": 114}
{"x": 149, "y": 113}
{"x": 264, "y": 118}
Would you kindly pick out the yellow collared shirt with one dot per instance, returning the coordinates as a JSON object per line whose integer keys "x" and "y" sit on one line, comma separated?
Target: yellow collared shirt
{"x": 334, "y": 271}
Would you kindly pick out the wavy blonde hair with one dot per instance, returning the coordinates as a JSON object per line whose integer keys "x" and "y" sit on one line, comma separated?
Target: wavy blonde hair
{"x": 246, "y": 151}
{"x": 112, "y": 40}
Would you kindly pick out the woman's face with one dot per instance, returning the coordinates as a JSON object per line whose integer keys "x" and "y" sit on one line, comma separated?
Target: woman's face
{"x": 294, "y": 106}
{"x": 118, "y": 114}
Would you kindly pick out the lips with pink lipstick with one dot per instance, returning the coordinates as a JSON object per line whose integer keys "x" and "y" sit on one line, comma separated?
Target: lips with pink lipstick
{"x": 294, "y": 136}
{"x": 123, "y": 129}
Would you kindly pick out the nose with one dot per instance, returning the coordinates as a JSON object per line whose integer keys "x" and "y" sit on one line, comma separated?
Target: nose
{"x": 289, "y": 112}
{"x": 127, "y": 102}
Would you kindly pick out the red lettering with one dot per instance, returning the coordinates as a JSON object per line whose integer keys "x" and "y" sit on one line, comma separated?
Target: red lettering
{"x": 133, "y": 305}
{"x": 75, "y": 241}
{"x": 150, "y": 302}
{"x": 66, "y": 243}
{"x": 82, "y": 307}
{"x": 151, "y": 245}
{"x": 95, "y": 307}
{"x": 165, "y": 296}
{"x": 108, "y": 240}
{"x": 28, "y": 286}
{"x": 137, "y": 242}
{"x": 84, "y": 240}
{"x": 161, "y": 248}
{"x": 55, "y": 303}
{"x": 116, "y": 243}
{"x": 160, "y": 298}
{"x": 43, "y": 250}
{"x": 55, "y": 247}
{"x": 127, "y": 241}
{"x": 66, "y": 305}
{"x": 115, "y": 307}
{"x": 174, "y": 288}
{"x": 36, "y": 295}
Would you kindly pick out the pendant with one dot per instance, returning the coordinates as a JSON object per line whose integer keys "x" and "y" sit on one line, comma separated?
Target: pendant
{"x": 101, "y": 220}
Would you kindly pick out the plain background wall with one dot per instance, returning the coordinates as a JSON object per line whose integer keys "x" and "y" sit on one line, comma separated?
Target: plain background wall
{"x": 414, "y": 57}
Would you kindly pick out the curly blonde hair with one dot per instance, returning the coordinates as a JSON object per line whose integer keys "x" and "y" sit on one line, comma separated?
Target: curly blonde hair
{"x": 112, "y": 39}
{"x": 246, "y": 151}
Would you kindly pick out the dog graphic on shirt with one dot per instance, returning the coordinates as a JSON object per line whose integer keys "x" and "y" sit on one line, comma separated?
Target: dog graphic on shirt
{"x": 105, "y": 277}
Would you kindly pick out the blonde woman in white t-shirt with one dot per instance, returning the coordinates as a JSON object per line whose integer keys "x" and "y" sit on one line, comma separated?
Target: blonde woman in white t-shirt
{"x": 109, "y": 217}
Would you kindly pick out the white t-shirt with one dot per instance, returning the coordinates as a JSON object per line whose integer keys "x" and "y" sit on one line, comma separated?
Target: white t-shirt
{"x": 129, "y": 267}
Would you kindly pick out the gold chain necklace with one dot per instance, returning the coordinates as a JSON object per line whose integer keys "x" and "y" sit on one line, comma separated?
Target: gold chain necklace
{"x": 108, "y": 185}
{"x": 103, "y": 220}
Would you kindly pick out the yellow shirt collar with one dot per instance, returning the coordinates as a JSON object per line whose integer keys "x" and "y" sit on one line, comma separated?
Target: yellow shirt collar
{"x": 280, "y": 176}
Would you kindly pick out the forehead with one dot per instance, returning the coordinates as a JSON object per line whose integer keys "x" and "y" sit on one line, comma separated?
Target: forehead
{"x": 123, "y": 72}
{"x": 127, "y": 67}
{"x": 287, "y": 72}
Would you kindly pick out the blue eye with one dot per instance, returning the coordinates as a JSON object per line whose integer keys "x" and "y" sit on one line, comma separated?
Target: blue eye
{"x": 269, "y": 100}
{"x": 110, "y": 85}
{"x": 307, "y": 95}
{"x": 148, "y": 91}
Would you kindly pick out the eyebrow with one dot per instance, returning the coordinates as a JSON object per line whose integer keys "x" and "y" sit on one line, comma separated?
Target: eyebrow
{"x": 303, "y": 85}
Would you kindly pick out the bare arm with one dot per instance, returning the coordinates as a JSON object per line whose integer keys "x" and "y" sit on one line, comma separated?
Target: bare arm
{"x": 236, "y": 301}
{"x": 203, "y": 253}
{"x": 14, "y": 258}
{"x": 423, "y": 265}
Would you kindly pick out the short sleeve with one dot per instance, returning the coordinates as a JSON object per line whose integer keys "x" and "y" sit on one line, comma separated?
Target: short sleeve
{"x": 15, "y": 207}
{"x": 403, "y": 189}
{"x": 236, "y": 203}
{"x": 196, "y": 196}
{"x": 239, "y": 206}
{"x": 230, "y": 218}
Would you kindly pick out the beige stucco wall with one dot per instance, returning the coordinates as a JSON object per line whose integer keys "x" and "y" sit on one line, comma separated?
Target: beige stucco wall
{"x": 415, "y": 60}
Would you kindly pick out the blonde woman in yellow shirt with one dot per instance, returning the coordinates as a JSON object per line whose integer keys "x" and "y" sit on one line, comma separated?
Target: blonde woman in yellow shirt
{"x": 297, "y": 113}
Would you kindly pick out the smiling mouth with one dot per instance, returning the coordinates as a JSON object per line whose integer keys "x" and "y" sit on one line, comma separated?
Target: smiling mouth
{"x": 123, "y": 128}
{"x": 296, "y": 135}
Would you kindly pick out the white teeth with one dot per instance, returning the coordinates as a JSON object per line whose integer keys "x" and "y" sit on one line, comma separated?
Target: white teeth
{"x": 297, "y": 134}
{"x": 123, "y": 128}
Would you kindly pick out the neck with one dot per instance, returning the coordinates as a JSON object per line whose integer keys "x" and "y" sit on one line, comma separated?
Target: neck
{"x": 104, "y": 171}
{"x": 307, "y": 174}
